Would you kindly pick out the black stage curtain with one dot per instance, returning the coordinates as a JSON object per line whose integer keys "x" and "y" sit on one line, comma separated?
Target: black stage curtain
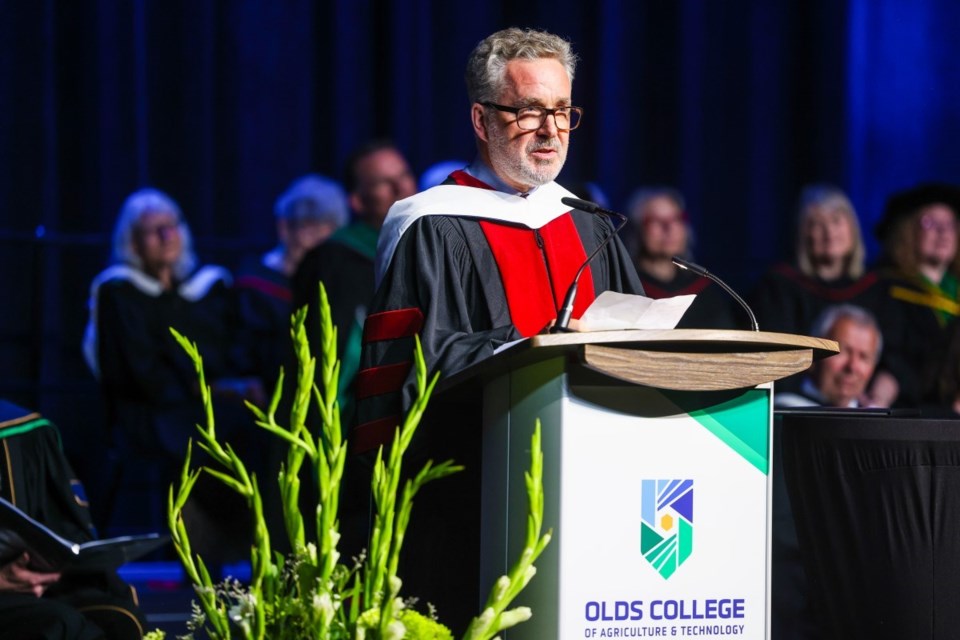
{"x": 223, "y": 103}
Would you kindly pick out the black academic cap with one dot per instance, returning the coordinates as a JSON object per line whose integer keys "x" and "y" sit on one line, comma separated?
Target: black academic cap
{"x": 903, "y": 204}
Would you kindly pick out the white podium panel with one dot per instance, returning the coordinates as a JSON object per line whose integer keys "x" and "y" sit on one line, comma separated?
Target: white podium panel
{"x": 658, "y": 501}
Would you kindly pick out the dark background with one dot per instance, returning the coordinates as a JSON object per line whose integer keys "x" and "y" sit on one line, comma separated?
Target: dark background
{"x": 222, "y": 104}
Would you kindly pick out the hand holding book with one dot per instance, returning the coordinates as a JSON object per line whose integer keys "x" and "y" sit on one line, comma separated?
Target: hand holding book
{"x": 48, "y": 552}
{"x": 17, "y": 576}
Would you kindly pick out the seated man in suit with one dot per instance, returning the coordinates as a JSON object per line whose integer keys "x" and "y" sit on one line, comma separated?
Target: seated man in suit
{"x": 840, "y": 380}
{"x": 36, "y": 477}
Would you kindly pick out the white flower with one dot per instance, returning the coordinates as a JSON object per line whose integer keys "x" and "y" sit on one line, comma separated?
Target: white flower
{"x": 395, "y": 584}
{"x": 500, "y": 589}
{"x": 395, "y": 631}
{"x": 514, "y": 616}
{"x": 324, "y": 607}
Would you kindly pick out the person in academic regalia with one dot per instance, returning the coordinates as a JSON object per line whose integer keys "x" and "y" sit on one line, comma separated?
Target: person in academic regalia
{"x": 377, "y": 175}
{"x": 920, "y": 272}
{"x": 37, "y": 478}
{"x": 148, "y": 382}
{"x": 307, "y": 213}
{"x": 662, "y": 232}
{"x": 470, "y": 265}
{"x": 828, "y": 269}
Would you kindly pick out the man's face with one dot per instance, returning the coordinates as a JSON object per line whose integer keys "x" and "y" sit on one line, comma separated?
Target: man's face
{"x": 383, "y": 177}
{"x": 663, "y": 228}
{"x": 843, "y": 377}
{"x": 525, "y": 159}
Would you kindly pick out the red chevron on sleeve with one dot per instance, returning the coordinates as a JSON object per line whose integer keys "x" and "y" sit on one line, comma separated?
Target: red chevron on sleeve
{"x": 376, "y": 381}
{"x": 390, "y": 325}
{"x": 371, "y": 435}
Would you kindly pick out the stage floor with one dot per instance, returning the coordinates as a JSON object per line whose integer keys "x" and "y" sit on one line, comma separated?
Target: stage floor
{"x": 165, "y": 595}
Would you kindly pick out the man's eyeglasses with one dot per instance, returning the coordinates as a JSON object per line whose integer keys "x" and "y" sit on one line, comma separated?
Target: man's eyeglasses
{"x": 532, "y": 118}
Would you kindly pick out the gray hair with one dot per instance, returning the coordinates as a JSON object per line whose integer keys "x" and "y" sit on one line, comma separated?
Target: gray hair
{"x": 821, "y": 195}
{"x": 488, "y": 61}
{"x": 830, "y": 316}
{"x": 136, "y": 206}
{"x": 642, "y": 196}
{"x": 313, "y": 197}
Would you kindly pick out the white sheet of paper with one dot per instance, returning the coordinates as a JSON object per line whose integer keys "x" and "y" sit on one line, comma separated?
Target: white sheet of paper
{"x": 612, "y": 310}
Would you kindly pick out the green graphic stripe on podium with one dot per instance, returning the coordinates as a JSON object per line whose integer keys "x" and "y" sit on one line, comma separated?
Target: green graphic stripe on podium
{"x": 742, "y": 425}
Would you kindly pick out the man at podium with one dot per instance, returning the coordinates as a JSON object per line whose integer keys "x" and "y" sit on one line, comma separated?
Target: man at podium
{"x": 479, "y": 261}
{"x": 486, "y": 257}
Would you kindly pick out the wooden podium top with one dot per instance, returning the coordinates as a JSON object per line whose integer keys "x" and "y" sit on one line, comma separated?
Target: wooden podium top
{"x": 683, "y": 359}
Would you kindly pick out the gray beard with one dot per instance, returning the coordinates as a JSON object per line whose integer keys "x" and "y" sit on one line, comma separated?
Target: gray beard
{"x": 522, "y": 169}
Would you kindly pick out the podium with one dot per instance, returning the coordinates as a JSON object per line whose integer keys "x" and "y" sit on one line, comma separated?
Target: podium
{"x": 656, "y": 477}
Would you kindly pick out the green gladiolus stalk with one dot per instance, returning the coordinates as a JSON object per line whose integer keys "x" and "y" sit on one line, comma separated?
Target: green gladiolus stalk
{"x": 312, "y": 594}
{"x": 495, "y": 617}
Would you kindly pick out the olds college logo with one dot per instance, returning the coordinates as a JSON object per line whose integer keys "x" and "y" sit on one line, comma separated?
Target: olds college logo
{"x": 666, "y": 530}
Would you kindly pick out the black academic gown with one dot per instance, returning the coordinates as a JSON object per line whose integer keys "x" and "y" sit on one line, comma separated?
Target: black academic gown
{"x": 344, "y": 264}
{"x": 263, "y": 305}
{"x": 788, "y": 301}
{"x": 153, "y": 400}
{"x": 445, "y": 285}
{"x": 915, "y": 335}
{"x": 37, "y": 478}
{"x": 149, "y": 382}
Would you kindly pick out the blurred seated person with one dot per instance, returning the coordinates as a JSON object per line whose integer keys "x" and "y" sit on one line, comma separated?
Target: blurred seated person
{"x": 919, "y": 283}
{"x": 662, "y": 232}
{"x": 147, "y": 380}
{"x": 377, "y": 175}
{"x": 828, "y": 269}
{"x": 840, "y": 380}
{"x": 828, "y": 266}
{"x": 307, "y": 213}
{"x": 37, "y": 478}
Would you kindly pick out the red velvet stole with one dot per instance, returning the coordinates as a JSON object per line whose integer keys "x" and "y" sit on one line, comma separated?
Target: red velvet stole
{"x": 536, "y": 266}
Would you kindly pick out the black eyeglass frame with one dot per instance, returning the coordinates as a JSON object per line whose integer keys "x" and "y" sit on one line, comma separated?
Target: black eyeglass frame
{"x": 544, "y": 113}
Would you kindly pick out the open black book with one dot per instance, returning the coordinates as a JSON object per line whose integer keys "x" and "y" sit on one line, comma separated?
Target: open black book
{"x": 50, "y": 551}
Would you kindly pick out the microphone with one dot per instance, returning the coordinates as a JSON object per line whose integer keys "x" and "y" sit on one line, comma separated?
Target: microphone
{"x": 566, "y": 309}
{"x": 700, "y": 271}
